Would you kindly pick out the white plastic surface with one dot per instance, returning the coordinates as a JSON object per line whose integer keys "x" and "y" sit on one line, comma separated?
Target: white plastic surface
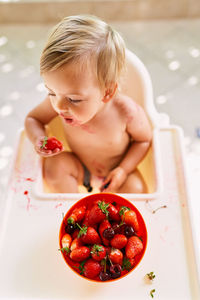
{"x": 31, "y": 267}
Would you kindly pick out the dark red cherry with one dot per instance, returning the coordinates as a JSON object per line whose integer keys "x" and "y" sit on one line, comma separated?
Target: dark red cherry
{"x": 115, "y": 271}
{"x": 129, "y": 231}
{"x": 104, "y": 276}
{"x": 108, "y": 233}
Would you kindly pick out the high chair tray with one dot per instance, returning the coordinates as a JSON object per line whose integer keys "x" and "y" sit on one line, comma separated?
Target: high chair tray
{"x": 33, "y": 268}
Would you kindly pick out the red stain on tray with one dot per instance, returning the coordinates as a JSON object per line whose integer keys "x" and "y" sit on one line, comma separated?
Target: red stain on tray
{"x": 59, "y": 204}
{"x": 29, "y": 179}
{"x": 29, "y": 205}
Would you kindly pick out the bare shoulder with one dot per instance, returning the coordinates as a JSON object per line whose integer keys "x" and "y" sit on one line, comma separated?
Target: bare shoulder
{"x": 126, "y": 106}
{"x": 137, "y": 123}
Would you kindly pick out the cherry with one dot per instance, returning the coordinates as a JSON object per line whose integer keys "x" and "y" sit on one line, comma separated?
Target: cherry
{"x": 108, "y": 233}
{"x": 129, "y": 231}
{"x": 115, "y": 271}
{"x": 118, "y": 228}
{"x": 104, "y": 276}
{"x": 69, "y": 228}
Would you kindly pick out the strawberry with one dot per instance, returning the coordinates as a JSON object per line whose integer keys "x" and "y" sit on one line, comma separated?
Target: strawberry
{"x": 76, "y": 243}
{"x": 77, "y": 215}
{"x": 98, "y": 212}
{"x": 119, "y": 241}
{"x": 113, "y": 213}
{"x": 86, "y": 218}
{"x": 92, "y": 268}
{"x": 80, "y": 254}
{"x": 88, "y": 235}
{"x": 51, "y": 143}
{"x": 116, "y": 256}
{"x": 66, "y": 240}
{"x": 104, "y": 225}
{"x": 129, "y": 217}
{"x": 98, "y": 252}
{"x": 134, "y": 246}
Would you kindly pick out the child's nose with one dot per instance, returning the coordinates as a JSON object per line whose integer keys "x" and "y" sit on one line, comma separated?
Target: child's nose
{"x": 61, "y": 103}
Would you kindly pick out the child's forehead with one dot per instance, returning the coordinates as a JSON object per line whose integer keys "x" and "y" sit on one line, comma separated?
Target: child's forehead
{"x": 70, "y": 79}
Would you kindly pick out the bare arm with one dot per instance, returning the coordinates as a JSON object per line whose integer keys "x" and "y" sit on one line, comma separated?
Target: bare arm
{"x": 37, "y": 119}
{"x": 139, "y": 129}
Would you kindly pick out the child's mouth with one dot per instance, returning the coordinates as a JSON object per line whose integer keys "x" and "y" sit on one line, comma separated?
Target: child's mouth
{"x": 68, "y": 120}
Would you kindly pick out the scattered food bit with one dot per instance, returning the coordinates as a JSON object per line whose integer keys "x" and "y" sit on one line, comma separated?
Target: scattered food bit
{"x": 155, "y": 210}
{"x": 152, "y": 293}
{"x": 151, "y": 275}
{"x": 25, "y": 192}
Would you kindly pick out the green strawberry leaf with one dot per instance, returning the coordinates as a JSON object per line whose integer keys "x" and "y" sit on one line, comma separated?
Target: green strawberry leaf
{"x": 103, "y": 206}
{"x": 126, "y": 265}
{"x": 123, "y": 209}
{"x": 82, "y": 231}
{"x": 96, "y": 249}
{"x": 70, "y": 220}
{"x": 44, "y": 142}
{"x": 65, "y": 249}
{"x": 81, "y": 267}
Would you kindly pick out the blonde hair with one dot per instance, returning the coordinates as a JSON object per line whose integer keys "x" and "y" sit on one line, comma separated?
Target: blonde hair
{"x": 87, "y": 39}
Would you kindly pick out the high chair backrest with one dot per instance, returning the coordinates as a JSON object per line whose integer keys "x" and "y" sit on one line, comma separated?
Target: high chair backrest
{"x": 137, "y": 84}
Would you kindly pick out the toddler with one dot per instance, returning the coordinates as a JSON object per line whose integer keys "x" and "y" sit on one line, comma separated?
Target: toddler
{"x": 108, "y": 133}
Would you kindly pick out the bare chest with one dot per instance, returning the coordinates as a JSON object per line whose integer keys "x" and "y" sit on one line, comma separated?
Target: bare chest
{"x": 109, "y": 138}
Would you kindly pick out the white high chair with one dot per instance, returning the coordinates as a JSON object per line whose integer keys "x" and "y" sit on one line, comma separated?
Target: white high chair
{"x": 136, "y": 84}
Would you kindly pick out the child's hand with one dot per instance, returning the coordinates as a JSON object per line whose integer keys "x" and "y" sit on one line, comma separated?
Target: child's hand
{"x": 114, "y": 180}
{"x": 48, "y": 146}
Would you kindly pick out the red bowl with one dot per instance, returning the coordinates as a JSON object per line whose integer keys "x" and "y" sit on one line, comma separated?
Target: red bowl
{"x": 108, "y": 198}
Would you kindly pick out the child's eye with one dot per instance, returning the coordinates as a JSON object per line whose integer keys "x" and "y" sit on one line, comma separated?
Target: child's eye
{"x": 74, "y": 101}
{"x": 52, "y": 95}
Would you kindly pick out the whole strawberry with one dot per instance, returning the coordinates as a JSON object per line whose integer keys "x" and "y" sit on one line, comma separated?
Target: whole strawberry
{"x": 77, "y": 215}
{"x": 66, "y": 243}
{"x": 98, "y": 252}
{"x": 76, "y": 243}
{"x": 119, "y": 241}
{"x": 88, "y": 235}
{"x": 113, "y": 213}
{"x": 98, "y": 212}
{"x": 92, "y": 268}
{"x": 134, "y": 246}
{"x": 51, "y": 143}
{"x": 80, "y": 254}
{"x": 116, "y": 256}
{"x": 129, "y": 217}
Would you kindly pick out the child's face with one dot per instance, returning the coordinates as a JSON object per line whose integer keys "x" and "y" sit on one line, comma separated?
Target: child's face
{"x": 75, "y": 95}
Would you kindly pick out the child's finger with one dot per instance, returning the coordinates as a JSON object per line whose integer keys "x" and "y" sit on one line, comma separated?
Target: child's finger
{"x": 105, "y": 186}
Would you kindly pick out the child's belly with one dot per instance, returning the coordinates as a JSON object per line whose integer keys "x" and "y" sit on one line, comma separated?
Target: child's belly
{"x": 99, "y": 154}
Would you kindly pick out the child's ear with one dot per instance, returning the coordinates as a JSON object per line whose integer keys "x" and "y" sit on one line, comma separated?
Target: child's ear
{"x": 109, "y": 92}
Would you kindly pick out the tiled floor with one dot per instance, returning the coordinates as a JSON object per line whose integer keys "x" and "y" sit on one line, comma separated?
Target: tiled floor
{"x": 170, "y": 51}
